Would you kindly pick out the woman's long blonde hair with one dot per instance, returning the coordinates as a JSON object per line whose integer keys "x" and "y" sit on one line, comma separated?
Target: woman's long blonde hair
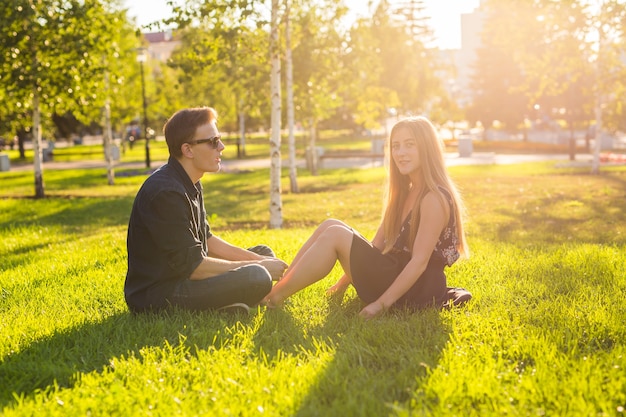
{"x": 434, "y": 173}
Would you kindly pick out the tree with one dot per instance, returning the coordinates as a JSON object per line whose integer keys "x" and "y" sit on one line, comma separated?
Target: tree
{"x": 319, "y": 76}
{"x": 219, "y": 29}
{"x": 391, "y": 71}
{"x": 608, "y": 24}
{"x": 331, "y": 72}
{"x": 223, "y": 59}
{"x": 276, "y": 216}
{"x": 112, "y": 62}
{"x": 293, "y": 174}
{"x": 409, "y": 67}
{"x": 499, "y": 82}
{"x": 566, "y": 53}
{"x": 364, "y": 98}
{"x": 53, "y": 61}
{"x": 164, "y": 92}
{"x": 495, "y": 86}
{"x": 561, "y": 71}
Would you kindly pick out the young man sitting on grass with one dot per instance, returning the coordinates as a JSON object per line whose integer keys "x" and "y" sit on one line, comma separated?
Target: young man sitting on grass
{"x": 173, "y": 257}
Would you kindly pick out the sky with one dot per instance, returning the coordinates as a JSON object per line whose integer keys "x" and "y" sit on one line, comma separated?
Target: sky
{"x": 445, "y": 15}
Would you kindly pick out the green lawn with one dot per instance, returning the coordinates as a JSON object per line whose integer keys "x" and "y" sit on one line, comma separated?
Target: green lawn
{"x": 257, "y": 146}
{"x": 544, "y": 334}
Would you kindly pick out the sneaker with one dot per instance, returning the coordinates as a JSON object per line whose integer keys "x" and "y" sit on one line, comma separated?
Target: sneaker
{"x": 235, "y": 308}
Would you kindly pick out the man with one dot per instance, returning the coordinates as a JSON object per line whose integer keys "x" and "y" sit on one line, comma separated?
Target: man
{"x": 173, "y": 257}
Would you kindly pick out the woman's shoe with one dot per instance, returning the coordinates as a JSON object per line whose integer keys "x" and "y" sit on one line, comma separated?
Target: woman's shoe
{"x": 456, "y": 296}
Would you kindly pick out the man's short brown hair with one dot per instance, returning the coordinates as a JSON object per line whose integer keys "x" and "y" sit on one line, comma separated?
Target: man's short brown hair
{"x": 182, "y": 126}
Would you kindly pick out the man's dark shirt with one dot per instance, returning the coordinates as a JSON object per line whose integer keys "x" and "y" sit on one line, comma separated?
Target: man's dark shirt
{"x": 167, "y": 235}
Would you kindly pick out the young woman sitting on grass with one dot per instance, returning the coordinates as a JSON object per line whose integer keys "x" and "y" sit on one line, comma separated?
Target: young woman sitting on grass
{"x": 421, "y": 232}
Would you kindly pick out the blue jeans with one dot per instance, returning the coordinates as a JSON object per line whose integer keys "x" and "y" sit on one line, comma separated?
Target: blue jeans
{"x": 247, "y": 284}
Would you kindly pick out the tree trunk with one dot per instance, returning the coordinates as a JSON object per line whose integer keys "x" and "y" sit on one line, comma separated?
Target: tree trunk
{"x": 276, "y": 215}
{"x": 241, "y": 145}
{"x": 293, "y": 170}
{"x": 572, "y": 141}
{"x": 108, "y": 135}
{"x": 37, "y": 147}
{"x": 313, "y": 147}
{"x": 21, "y": 139}
{"x": 595, "y": 164}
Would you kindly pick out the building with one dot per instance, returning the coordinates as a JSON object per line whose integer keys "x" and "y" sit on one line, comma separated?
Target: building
{"x": 161, "y": 45}
{"x": 462, "y": 60}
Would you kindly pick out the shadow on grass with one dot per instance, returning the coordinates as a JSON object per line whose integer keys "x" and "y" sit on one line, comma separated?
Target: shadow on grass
{"x": 593, "y": 213}
{"x": 385, "y": 359}
{"x": 68, "y": 212}
{"x": 375, "y": 364}
{"x": 56, "y": 182}
{"x": 58, "y": 360}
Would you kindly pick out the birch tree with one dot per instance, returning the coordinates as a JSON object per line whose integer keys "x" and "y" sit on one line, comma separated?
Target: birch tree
{"x": 276, "y": 215}
{"x": 108, "y": 133}
{"x": 293, "y": 173}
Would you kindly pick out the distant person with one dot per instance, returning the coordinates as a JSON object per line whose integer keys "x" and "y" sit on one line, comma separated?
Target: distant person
{"x": 133, "y": 132}
{"x": 421, "y": 233}
{"x": 174, "y": 259}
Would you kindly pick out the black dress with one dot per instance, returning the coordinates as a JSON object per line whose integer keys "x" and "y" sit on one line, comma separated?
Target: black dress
{"x": 373, "y": 272}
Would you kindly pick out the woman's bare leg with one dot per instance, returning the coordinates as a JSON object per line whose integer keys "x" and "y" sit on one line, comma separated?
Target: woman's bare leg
{"x": 314, "y": 261}
{"x": 312, "y": 239}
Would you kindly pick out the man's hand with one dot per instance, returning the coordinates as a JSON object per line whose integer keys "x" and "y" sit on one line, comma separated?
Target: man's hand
{"x": 275, "y": 267}
{"x": 372, "y": 310}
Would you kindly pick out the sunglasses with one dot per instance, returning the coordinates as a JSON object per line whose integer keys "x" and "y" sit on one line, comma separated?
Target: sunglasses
{"x": 214, "y": 141}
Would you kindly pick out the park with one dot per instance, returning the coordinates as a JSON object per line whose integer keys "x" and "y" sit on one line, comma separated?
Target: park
{"x": 543, "y": 334}
{"x": 85, "y": 94}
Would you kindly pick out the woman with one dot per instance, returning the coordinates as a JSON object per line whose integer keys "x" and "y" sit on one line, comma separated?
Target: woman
{"x": 421, "y": 232}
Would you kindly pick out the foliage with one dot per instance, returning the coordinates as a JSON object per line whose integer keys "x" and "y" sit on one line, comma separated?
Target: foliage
{"x": 552, "y": 62}
{"x": 62, "y": 49}
{"x": 318, "y": 74}
{"x": 391, "y": 69}
{"x": 408, "y": 65}
{"x": 496, "y": 89}
{"x": 163, "y": 94}
{"x": 58, "y": 57}
{"x": 611, "y": 68}
{"x": 542, "y": 335}
{"x": 223, "y": 62}
{"x": 337, "y": 78}
{"x": 349, "y": 75}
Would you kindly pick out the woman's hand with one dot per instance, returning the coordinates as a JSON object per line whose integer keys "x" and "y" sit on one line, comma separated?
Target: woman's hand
{"x": 372, "y": 310}
{"x": 340, "y": 286}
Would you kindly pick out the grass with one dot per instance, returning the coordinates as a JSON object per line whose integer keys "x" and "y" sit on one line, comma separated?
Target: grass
{"x": 257, "y": 146}
{"x": 543, "y": 335}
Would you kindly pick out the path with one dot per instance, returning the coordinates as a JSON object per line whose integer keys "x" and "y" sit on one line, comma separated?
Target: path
{"x": 234, "y": 165}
